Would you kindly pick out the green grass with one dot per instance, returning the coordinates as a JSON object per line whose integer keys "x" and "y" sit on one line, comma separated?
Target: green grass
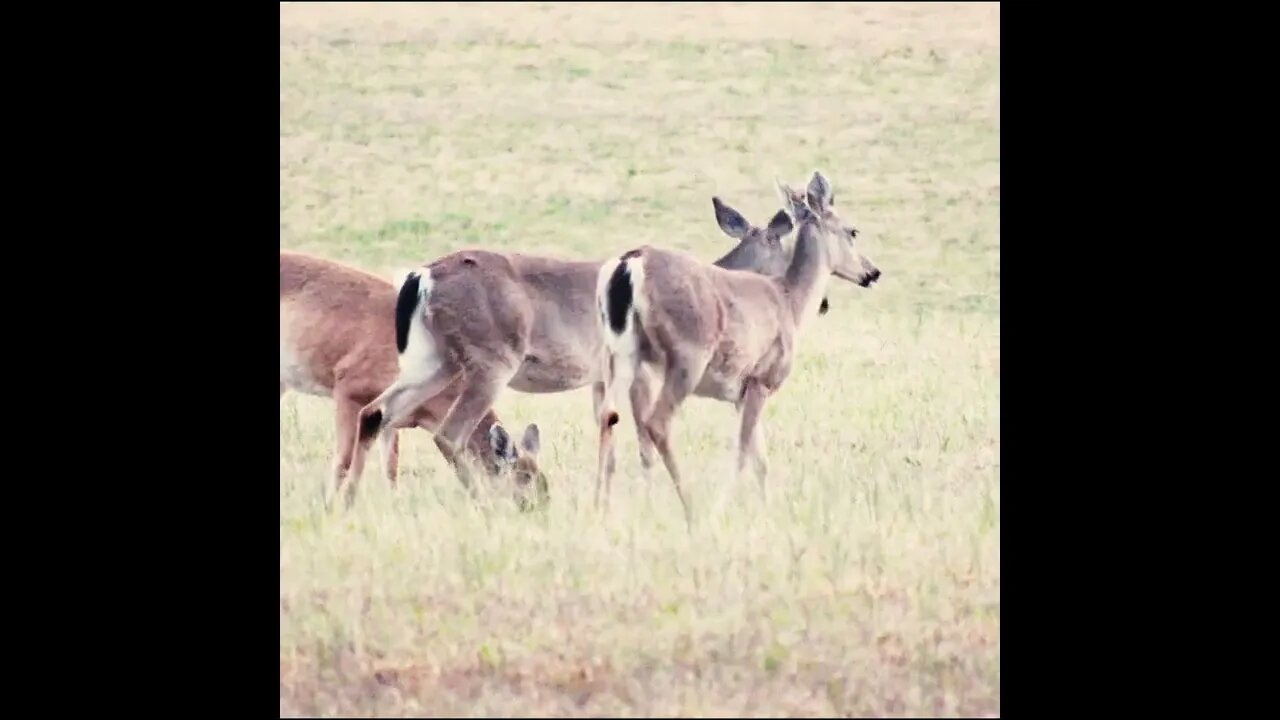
{"x": 869, "y": 582}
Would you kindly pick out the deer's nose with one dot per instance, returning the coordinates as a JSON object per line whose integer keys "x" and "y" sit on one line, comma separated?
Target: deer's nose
{"x": 875, "y": 275}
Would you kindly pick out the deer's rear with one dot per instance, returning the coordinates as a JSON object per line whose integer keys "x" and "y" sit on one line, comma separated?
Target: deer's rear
{"x": 618, "y": 293}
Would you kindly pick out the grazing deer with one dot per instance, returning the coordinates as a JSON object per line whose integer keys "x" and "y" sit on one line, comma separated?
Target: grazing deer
{"x": 337, "y": 339}
{"x": 485, "y": 321}
{"x": 717, "y": 333}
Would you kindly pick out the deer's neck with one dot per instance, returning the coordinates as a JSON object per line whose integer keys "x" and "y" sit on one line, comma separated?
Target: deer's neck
{"x": 736, "y": 259}
{"x": 807, "y": 276}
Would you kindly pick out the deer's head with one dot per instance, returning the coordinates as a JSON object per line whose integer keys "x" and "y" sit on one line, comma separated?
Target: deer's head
{"x": 520, "y": 465}
{"x": 759, "y": 249}
{"x": 814, "y": 211}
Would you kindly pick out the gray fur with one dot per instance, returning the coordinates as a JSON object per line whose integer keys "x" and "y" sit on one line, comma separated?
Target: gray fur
{"x": 730, "y": 336}
{"x": 530, "y": 323}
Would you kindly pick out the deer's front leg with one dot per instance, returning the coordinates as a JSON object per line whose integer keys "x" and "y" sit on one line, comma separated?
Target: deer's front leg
{"x": 751, "y": 433}
{"x": 350, "y": 449}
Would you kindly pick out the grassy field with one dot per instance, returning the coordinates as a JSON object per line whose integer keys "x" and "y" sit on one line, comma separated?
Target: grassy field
{"x": 869, "y": 582}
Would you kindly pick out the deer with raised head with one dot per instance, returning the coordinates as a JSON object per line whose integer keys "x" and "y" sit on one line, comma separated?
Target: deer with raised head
{"x": 337, "y": 340}
{"x": 486, "y": 321}
{"x": 717, "y": 333}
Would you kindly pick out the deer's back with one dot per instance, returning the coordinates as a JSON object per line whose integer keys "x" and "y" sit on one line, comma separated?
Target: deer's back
{"x": 680, "y": 297}
{"x": 531, "y": 313}
{"x": 476, "y": 306}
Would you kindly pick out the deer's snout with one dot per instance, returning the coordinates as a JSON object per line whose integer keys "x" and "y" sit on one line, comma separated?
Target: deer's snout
{"x": 870, "y": 276}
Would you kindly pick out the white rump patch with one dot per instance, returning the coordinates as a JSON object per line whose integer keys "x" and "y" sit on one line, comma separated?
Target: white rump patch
{"x": 624, "y": 348}
{"x": 626, "y": 344}
{"x": 421, "y": 357}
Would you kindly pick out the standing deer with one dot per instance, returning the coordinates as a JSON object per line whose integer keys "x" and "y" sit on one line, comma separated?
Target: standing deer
{"x": 337, "y": 340}
{"x": 485, "y": 321}
{"x": 717, "y": 333}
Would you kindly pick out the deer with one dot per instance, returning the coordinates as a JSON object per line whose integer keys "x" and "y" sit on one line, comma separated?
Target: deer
{"x": 337, "y": 340}
{"x": 716, "y": 333}
{"x": 486, "y": 321}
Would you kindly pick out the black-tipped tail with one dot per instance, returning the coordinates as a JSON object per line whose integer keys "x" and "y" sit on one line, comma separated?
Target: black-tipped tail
{"x": 619, "y": 294}
{"x": 405, "y": 305}
{"x": 369, "y": 424}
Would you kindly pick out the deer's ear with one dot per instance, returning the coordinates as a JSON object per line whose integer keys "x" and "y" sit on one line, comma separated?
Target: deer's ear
{"x": 819, "y": 193}
{"x": 531, "y": 442}
{"x": 779, "y": 226}
{"x": 730, "y": 220}
{"x": 501, "y": 443}
{"x": 792, "y": 201}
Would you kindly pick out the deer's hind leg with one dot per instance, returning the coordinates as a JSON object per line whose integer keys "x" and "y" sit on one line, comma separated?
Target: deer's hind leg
{"x": 397, "y": 405}
{"x": 751, "y": 434}
{"x": 679, "y": 379}
{"x": 642, "y": 399}
{"x": 478, "y": 395}
{"x": 389, "y": 447}
{"x": 348, "y": 444}
{"x": 597, "y": 403}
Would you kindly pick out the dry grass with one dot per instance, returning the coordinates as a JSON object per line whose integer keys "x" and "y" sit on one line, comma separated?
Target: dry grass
{"x": 869, "y": 582}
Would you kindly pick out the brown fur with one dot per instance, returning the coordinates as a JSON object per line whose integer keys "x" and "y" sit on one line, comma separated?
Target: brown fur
{"x": 526, "y": 322}
{"x": 337, "y": 338}
{"x": 724, "y": 334}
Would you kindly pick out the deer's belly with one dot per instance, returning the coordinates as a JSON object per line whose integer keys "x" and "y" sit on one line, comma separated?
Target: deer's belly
{"x": 296, "y": 375}
{"x": 550, "y": 372}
